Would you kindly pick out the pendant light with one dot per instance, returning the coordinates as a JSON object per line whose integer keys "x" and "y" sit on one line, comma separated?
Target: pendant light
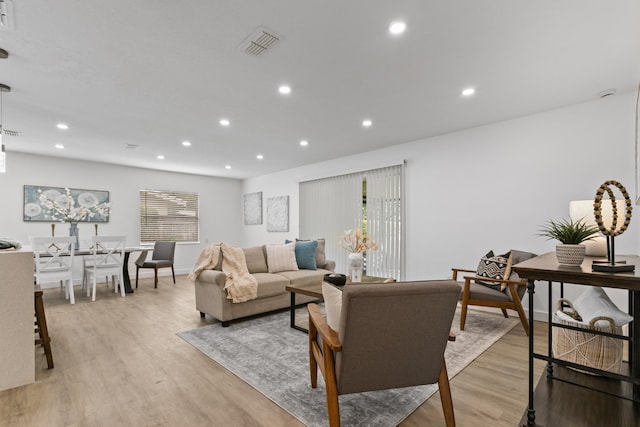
{"x": 3, "y": 155}
{"x": 3, "y": 88}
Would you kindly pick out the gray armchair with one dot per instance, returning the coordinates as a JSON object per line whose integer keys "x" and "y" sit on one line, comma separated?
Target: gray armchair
{"x": 162, "y": 257}
{"x": 391, "y": 335}
{"x": 510, "y": 298}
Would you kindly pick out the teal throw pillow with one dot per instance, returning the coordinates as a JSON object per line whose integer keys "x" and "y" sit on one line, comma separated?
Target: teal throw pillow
{"x": 306, "y": 255}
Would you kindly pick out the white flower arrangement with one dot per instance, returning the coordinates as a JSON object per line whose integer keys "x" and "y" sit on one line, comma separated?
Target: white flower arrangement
{"x": 63, "y": 207}
{"x": 357, "y": 241}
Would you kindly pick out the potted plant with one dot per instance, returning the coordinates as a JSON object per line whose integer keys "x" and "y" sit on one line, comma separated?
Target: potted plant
{"x": 570, "y": 234}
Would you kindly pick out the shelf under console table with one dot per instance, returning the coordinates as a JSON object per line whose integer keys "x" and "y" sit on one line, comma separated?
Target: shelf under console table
{"x": 626, "y": 397}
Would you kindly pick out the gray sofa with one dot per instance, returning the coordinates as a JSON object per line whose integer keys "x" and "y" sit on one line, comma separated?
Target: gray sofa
{"x": 211, "y": 297}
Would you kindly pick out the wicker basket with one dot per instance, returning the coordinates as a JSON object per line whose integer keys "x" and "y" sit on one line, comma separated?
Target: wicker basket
{"x": 584, "y": 348}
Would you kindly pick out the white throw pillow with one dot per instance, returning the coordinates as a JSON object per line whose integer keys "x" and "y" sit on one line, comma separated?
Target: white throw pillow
{"x": 332, "y": 304}
{"x": 282, "y": 257}
{"x": 594, "y": 302}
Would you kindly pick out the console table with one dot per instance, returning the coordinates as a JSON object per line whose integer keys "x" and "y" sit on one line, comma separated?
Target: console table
{"x": 546, "y": 268}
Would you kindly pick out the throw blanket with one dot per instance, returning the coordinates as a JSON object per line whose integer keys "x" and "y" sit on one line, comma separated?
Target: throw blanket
{"x": 240, "y": 285}
{"x": 207, "y": 260}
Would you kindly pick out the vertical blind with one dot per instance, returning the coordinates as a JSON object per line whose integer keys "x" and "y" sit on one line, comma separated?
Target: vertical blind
{"x": 384, "y": 221}
{"x": 170, "y": 216}
{"x": 330, "y": 206}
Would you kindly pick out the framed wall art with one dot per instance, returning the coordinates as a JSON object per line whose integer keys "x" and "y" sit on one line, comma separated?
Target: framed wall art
{"x": 253, "y": 208}
{"x": 50, "y": 204}
{"x": 278, "y": 213}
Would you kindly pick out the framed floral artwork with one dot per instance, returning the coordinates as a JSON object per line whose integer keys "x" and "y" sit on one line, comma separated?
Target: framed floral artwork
{"x": 49, "y": 204}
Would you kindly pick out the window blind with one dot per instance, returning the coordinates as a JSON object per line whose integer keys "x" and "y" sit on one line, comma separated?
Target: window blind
{"x": 330, "y": 206}
{"x": 169, "y": 216}
{"x": 384, "y": 221}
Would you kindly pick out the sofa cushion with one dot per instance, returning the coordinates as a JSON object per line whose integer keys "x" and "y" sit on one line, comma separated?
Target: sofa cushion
{"x": 256, "y": 259}
{"x": 270, "y": 284}
{"x": 485, "y": 293}
{"x": 321, "y": 258}
{"x": 333, "y": 304}
{"x": 304, "y": 277}
{"x": 306, "y": 254}
{"x": 281, "y": 257}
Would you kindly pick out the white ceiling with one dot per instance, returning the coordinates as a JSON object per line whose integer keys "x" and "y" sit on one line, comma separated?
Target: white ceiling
{"x": 154, "y": 73}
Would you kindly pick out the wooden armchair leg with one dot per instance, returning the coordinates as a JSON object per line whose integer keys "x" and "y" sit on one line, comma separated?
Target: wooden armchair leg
{"x": 445, "y": 396}
{"x": 155, "y": 273}
{"x": 331, "y": 386}
{"x": 174, "y": 275}
{"x": 313, "y": 363}
{"x": 463, "y": 315}
{"x": 504, "y": 313}
{"x": 137, "y": 269}
{"x": 523, "y": 318}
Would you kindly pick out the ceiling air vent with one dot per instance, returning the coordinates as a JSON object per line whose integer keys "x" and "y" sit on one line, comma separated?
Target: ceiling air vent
{"x": 9, "y": 132}
{"x": 131, "y": 146}
{"x": 258, "y": 42}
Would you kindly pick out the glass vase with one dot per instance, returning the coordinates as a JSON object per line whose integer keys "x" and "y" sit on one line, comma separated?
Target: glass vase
{"x": 355, "y": 265}
{"x": 75, "y": 232}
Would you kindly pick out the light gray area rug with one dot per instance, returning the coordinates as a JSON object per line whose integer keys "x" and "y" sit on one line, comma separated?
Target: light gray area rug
{"x": 274, "y": 359}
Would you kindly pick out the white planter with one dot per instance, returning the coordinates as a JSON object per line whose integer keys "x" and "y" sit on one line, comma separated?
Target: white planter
{"x": 570, "y": 254}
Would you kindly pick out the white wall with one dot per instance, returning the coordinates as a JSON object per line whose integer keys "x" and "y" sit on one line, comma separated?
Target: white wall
{"x": 489, "y": 187}
{"x": 220, "y": 220}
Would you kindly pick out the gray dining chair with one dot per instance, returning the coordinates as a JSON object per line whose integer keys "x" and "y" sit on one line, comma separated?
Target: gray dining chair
{"x": 162, "y": 257}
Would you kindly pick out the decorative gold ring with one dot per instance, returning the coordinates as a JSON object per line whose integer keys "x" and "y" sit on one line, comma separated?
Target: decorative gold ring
{"x": 597, "y": 209}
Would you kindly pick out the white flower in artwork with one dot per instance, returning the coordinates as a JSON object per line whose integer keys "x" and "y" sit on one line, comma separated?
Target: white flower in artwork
{"x": 32, "y": 209}
{"x": 51, "y": 194}
{"x": 63, "y": 206}
{"x": 87, "y": 200}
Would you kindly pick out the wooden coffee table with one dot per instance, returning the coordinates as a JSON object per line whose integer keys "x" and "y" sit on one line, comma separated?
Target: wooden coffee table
{"x": 316, "y": 292}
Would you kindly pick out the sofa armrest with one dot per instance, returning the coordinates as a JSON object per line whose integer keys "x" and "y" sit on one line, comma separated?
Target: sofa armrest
{"x": 329, "y": 265}
{"x": 216, "y": 277}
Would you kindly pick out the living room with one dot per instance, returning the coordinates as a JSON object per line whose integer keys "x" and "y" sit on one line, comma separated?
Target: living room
{"x": 486, "y": 186}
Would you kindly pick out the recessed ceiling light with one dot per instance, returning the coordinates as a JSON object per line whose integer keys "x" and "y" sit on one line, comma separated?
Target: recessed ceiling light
{"x": 60, "y": 146}
{"x": 225, "y": 122}
{"x": 397, "y": 27}
{"x": 304, "y": 142}
{"x": 367, "y": 122}
{"x": 259, "y": 157}
{"x": 160, "y": 157}
{"x": 62, "y": 126}
{"x": 284, "y": 89}
{"x": 227, "y": 167}
{"x": 186, "y": 143}
{"x": 468, "y": 91}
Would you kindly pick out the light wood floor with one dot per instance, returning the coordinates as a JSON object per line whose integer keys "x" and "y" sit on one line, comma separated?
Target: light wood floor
{"x": 118, "y": 362}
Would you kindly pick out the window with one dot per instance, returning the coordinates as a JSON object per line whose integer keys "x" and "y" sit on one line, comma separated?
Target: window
{"x": 169, "y": 216}
{"x": 371, "y": 200}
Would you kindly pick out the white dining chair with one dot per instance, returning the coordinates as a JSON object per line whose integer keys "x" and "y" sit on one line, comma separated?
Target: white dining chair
{"x": 53, "y": 260}
{"x": 106, "y": 260}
